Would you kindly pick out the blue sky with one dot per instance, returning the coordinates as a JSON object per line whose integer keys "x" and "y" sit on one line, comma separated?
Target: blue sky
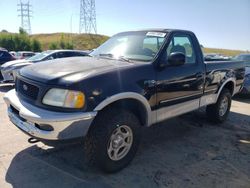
{"x": 217, "y": 23}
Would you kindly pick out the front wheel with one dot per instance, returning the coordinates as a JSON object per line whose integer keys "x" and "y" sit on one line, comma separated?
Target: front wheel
{"x": 219, "y": 111}
{"x": 113, "y": 140}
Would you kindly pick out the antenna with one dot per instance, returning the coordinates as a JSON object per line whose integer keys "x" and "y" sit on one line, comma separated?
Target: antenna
{"x": 25, "y": 14}
{"x": 87, "y": 16}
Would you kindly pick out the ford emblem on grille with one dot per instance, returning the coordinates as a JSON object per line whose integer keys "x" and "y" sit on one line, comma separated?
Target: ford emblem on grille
{"x": 25, "y": 87}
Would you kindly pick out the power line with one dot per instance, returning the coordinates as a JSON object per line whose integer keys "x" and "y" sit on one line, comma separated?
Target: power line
{"x": 87, "y": 16}
{"x": 25, "y": 14}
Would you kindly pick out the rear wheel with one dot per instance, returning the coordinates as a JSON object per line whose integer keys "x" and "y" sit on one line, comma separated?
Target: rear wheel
{"x": 113, "y": 140}
{"x": 219, "y": 111}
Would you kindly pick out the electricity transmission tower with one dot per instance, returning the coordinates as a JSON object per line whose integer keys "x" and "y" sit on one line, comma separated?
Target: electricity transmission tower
{"x": 87, "y": 16}
{"x": 25, "y": 14}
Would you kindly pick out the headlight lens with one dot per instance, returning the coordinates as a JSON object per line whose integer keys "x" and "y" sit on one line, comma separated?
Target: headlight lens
{"x": 64, "y": 98}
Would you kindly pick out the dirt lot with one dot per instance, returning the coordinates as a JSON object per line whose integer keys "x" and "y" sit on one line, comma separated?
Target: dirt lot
{"x": 187, "y": 151}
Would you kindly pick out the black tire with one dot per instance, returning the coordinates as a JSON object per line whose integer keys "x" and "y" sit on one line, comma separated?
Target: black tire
{"x": 98, "y": 139}
{"x": 213, "y": 111}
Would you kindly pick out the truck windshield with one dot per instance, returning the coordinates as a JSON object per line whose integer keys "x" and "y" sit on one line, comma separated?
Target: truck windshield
{"x": 139, "y": 46}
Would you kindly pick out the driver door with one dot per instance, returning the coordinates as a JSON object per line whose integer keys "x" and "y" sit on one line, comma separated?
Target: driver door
{"x": 183, "y": 84}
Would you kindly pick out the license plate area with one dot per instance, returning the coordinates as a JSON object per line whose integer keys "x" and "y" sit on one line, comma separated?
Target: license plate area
{"x": 19, "y": 121}
{"x": 16, "y": 112}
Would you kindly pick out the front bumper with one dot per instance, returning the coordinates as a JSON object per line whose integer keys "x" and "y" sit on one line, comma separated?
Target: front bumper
{"x": 31, "y": 120}
{"x": 7, "y": 75}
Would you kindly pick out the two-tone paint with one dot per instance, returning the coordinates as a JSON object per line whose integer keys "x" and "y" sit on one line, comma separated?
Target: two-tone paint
{"x": 159, "y": 92}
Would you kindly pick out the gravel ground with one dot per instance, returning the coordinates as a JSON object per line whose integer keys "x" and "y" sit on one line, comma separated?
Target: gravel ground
{"x": 187, "y": 151}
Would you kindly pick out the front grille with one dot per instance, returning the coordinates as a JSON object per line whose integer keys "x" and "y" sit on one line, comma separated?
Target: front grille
{"x": 27, "y": 89}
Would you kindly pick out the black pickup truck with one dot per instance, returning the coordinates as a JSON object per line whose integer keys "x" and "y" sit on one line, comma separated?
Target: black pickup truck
{"x": 134, "y": 79}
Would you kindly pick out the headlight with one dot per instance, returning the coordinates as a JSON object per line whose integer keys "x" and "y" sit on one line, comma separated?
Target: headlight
{"x": 64, "y": 98}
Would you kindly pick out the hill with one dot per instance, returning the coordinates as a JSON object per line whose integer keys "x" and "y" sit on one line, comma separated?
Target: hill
{"x": 79, "y": 41}
{"x": 223, "y": 51}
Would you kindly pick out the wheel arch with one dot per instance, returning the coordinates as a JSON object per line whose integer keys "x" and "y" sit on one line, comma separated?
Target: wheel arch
{"x": 132, "y": 101}
{"x": 230, "y": 84}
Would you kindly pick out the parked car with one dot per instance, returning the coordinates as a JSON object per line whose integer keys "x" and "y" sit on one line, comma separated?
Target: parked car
{"x": 246, "y": 86}
{"x": 5, "y": 56}
{"x": 215, "y": 57}
{"x": 13, "y": 53}
{"x": 246, "y": 59}
{"x": 24, "y": 54}
{"x": 9, "y": 69}
{"x": 134, "y": 79}
{"x": 4, "y": 49}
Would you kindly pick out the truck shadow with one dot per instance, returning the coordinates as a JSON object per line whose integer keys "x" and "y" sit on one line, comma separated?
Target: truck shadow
{"x": 242, "y": 98}
{"x": 166, "y": 149}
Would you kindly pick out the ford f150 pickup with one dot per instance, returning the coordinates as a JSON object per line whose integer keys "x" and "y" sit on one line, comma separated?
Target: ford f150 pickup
{"x": 134, "y": 79}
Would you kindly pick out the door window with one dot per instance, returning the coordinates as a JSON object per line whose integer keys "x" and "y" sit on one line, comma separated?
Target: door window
{"x": 6, "y": 55}
{"x": 184, "y": 45}
{"x": 1, "y": 54}
{"x": 79, "y": 54}
{"x": 69, "y": 54}
{"x": 52, "y": 56}
{"x": 61, "y": 55}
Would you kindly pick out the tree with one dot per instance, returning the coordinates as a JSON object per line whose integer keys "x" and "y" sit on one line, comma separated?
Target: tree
{"x": 62, "y": 44}
{"x": 69, "y": 45}
{"x": 4, "y": 31}
{"x": 53, "y": 46}
{"x": 36, "y": 45}
{"x": 25, "y": 43}
{"x": 22, "y": 31}
{"x": 7, "y": 41}
{"x": 16, "y": 42}
{"x": 11, "y": 43}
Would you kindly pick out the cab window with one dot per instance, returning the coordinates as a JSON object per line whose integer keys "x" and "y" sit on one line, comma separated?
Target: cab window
{"x": 6, "y": 55}
{"x": 182, "y": 44}
{"x": 61, "y": 54}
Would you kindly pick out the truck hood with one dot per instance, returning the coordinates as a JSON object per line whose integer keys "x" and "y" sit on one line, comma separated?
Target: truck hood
{"x": 15, "y": 62}
{"x": 70, "y": 70}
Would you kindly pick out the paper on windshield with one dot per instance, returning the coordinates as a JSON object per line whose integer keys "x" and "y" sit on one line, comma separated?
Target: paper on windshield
{"x": 156, "y": 34}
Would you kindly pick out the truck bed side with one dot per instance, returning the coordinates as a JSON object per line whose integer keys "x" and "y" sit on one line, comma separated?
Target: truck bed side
{"x": 221, "y": 72}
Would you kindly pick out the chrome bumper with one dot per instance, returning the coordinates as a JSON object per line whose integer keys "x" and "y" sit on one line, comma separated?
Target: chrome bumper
{"x": 7, "y": 75}
{"x": 31, "y": 119}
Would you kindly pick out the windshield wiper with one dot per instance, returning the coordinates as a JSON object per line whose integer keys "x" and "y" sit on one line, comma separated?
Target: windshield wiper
{"x": 106, "y": 55}
{"x": 124, "y": 59}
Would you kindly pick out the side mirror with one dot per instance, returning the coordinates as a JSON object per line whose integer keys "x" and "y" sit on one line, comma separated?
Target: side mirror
{"x": 176, "y": 59}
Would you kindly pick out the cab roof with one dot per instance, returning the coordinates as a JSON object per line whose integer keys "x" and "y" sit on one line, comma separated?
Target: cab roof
{"x": 158, "y": 30}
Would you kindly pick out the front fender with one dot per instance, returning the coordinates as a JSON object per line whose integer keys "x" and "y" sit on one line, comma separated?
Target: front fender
{"x": 127, "y": 95}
